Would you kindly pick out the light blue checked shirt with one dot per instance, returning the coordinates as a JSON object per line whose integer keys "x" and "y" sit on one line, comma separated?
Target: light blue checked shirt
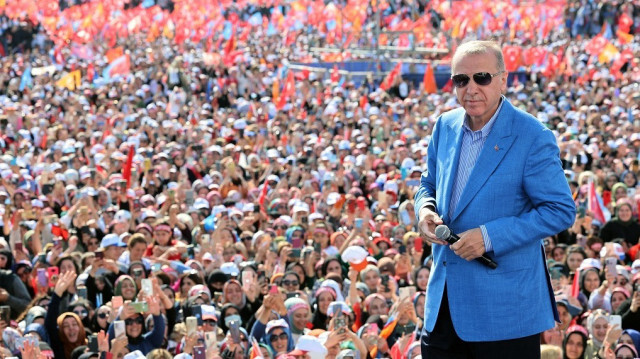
{"x": 472, "y": 143}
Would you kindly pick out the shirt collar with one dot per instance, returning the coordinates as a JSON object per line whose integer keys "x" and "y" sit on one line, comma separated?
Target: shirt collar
{"x": 487, "y": 128}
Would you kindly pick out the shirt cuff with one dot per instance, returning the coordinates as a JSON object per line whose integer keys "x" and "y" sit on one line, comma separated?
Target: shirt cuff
{"x": 488, "y": 247}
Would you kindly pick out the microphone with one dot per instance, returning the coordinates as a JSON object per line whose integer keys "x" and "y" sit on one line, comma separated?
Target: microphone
{"x": 444, "y": 233}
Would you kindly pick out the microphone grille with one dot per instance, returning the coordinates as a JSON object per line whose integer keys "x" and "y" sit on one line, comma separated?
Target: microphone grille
{"x": 442, "y": 232}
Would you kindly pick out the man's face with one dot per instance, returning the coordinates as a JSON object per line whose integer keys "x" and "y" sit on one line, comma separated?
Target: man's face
{"x": 479, "y": 101}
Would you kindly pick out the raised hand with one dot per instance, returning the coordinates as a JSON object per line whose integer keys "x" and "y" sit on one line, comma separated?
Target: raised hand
{"x": 65, "y": 280}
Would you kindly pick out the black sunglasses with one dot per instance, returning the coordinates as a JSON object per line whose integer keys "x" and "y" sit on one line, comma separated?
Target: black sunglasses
{"x": 209, "y": 322}
{"x": 481, "y": 78}
{"x": 290, "y": 282}
{"x": 138, "y": 320}
{"x": 246, "y": 238}
{"x": 281, "y": 227}
{"x": 103, "y": 315}
{"x": 282, "y": 336}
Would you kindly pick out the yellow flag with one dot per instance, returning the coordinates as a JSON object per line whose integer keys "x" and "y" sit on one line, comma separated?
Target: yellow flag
{"x": 608, "y": 53}
{"x": 275, "y": 90}
{"x": 70, "y": 81}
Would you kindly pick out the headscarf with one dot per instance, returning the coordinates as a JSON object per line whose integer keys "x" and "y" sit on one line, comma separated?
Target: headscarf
{"x": 619, "y": 203}
{"x": 614, "y": 189}
{"x": 7, "y": 253}
{"x": 293, "y": 304}
{"x": 289, "y": 233}
{"x": 415, "y": 300}
{"x": 225, "y": 289}
{"x": 38, "y": 328}
{"x": 285, "y": 327}
{"x": 370, "y": 298}
{"x": 223, "y": 315}
{"x": 583, "y": 275}
{"x": 66, "y": 344}
{"x": 630, "y": 347}
{"x": 597, "y": 314}
{"x": 118, "y": 290}
{"x": 635, "y": 336}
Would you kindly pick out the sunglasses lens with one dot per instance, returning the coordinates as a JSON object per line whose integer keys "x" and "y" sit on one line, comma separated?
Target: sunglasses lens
{"x": 460, "y": 80}
{"x": 482, "y": 78}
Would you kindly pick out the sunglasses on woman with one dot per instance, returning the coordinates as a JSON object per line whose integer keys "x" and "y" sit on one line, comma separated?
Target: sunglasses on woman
{"x": 81, "y": 313}
{"x": 130, "y": 321}
{"x": 290, "y": 282}
{"x": 103, "y": 315}
{"x": 480, "y": 78}
{"x": 281, "y": 336}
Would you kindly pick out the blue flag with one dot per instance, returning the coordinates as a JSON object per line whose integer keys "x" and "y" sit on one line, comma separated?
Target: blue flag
{"x": 26, "y": 79}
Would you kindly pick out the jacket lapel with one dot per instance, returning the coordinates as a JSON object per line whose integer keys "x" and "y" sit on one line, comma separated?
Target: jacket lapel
{"x": 495, "y": 148}
{"x": 451, "y": 156}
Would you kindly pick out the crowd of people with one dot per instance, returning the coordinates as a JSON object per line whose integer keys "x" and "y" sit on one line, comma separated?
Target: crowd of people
{"x": 182, "y": 211}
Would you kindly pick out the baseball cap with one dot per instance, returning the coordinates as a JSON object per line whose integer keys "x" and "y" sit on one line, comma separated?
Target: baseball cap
{"x": 111, "y": 240}
{"x": 273, "y": 324}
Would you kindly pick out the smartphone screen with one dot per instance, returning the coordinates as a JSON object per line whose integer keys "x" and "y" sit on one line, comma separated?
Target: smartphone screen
{"x": 119, "y": 328}
{"x": 417, "y": 244}
{"x": 199, "y": 352}
{"x": 192, "y": 325}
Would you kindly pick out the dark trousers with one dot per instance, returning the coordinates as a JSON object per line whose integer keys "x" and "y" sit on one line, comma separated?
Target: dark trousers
{"x": 443, "y": 342}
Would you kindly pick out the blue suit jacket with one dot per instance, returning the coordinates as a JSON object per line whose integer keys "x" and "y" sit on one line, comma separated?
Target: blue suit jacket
{"x": 518, "y": 190}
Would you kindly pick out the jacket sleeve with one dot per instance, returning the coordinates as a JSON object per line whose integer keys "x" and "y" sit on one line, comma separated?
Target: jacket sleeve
{"x": 51, "y": 323}
{"x": 258, "y": 330}
{"x": 19, "y": 297}
{"x": 157, "y": 334}
{"x": 553, "y": 209}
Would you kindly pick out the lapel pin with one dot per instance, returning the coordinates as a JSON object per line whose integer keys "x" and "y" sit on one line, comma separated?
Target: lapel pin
{"x": 496, "y": 148}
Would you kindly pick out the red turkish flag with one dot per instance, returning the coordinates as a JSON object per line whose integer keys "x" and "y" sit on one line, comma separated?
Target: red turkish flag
{"x": 512, "y": 57}
{"x": 534, "y": 56}
{"x": 624, "y": 23}
{"x": 595, "y": 46}
{"x": 552, "y": 65}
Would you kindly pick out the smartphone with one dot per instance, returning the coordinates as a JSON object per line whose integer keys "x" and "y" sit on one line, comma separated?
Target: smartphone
{"x": 5, "y": 314}
{"x": 196, "y": 311}
{"x": 82, "y": 292}
{"x": 210, "y": 339}
{"x": 93, "y": 343}
{"x": 147, "y": 164}
{"x": 234, "y": 329}
{"x": 99, "y": 255}
{"x": 188, "y": 197}
{"x": 615, "y": 319}
{"x": 358, "y": 223}
{"x": 413, "y": 183}
{"x": 296, "y": 253}
{"x": 317, "y": 247}
{"x": 293, "y": 295}
{"x": 119, "y": 328}
{"x": 199, "y": 352}
{"x": 42, "y": 258}
{"x": 273, "y": 289}
{"x": 192, "y": 325}
{"x": 402, "y": 249}
{"x": 384, "y": 280}
{"x": 140, "y": 307}
{"x": 18, "y": 246}
{"x": 611, "y": 265}
{"x": 51, "y": 272}
{"x": 407, "y": 292}
{"x": 417, "y": 244}
{"x": 373, "y": 329}
{"x": 147, "y": 286}
{"x": 43, "y": 280}
{"x": 116, "y": 302}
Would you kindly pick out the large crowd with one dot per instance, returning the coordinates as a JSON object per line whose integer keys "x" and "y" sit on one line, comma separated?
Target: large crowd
{"x": 190, "y": 208}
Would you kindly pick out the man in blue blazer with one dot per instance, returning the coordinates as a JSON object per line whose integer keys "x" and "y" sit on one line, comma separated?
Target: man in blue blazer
{"x": 494, "y": 177}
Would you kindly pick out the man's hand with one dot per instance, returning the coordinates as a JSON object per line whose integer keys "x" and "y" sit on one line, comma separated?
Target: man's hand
{"x": 470, "y": 246}
{"x": 427, "y": 225}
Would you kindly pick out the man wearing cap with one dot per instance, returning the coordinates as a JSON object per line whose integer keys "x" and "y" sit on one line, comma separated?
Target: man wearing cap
{"x": 494, "y": 177}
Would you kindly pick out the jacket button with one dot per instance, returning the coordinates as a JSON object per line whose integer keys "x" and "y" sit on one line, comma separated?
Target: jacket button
{"x": 444, "y": 263}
